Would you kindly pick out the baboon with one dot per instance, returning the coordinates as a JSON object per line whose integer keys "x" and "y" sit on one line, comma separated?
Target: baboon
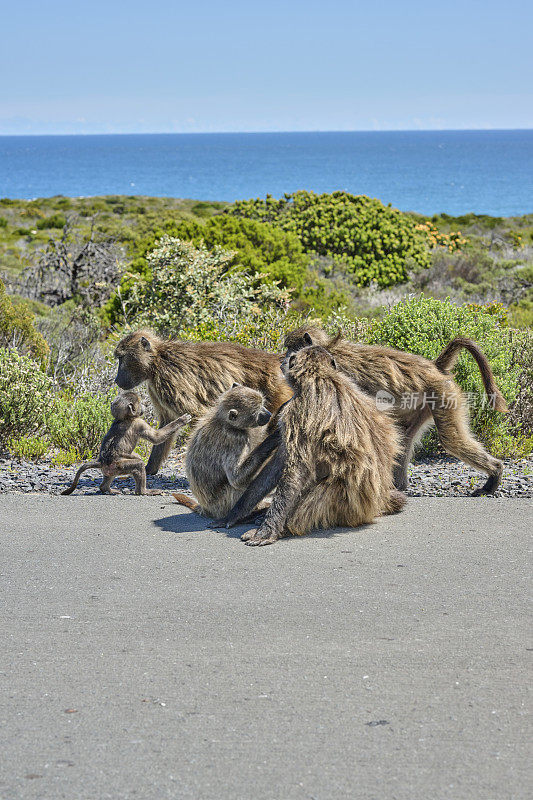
{"x": 215, "y": 463}
{"x": 188, "y": 377}
{"x": 421, "y": 392}
{"x": 116, "y": 456}
{"x": 432, "y": 396}
{"x": 337, "y": 452}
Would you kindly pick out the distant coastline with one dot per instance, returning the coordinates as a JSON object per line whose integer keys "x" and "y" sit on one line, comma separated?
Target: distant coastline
{"x": 430, "y": 172}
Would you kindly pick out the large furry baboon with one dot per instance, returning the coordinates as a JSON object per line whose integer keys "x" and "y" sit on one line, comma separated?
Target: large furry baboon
{"x": 116, "y": 456}
{"x": 216, "y": 462}
{"x": 337, "y": 452}
{"x": 422, "y": 392}
{"x": 432, "y": 396}
{"x": 188, "y": 377}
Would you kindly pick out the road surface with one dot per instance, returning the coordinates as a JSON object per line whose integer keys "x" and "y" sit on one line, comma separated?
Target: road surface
{"x": 145, "y": 657}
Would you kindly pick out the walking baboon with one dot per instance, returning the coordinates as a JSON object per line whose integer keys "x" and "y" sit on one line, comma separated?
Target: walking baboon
{"x": 420, "y": 392}
{"x": 431, "y": 396}
{"x": 187, "y": 377}
{"x": 337, "y": 452}
{"x": 116, "y": 456}
{"x": 216, "y": 461}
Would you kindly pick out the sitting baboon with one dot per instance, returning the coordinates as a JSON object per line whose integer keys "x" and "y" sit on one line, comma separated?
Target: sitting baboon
{"x": 430, "y": 393}
{"x": 188, "y": 377}
{"x": 215, "y": 463}
{"x": 420, "y": 392}
{"x": 116, "y": 456}
{"x": 337, "y": 452}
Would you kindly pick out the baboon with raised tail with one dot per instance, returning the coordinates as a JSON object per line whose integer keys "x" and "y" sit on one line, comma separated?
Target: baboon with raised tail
{"x": 421, "y": 392}
{"x": 188, "y": 377}
{"x": 216, "y": 462}
{"x": 336, "y": 454}
{"x": 116, "y": 456}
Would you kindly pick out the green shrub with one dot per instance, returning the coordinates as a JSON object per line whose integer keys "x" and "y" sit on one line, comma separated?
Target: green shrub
{"x": 259, "y": 249}
{"x": 374, "y": 242}
{"x": 55, "y": 221}
{"x": 191, "y": 287}
{"x": 17, "y": 329}
{"x": 3, "y": 222}
{"x": 264, "y": 252}
{"x": 28, "y": 447}
{"x": 25, "y": 395}
{"x": 424, "y": 326}
{"x": 78, "y": 423}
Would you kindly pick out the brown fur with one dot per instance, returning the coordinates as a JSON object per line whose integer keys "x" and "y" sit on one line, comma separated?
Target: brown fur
{"x": 338, "y": 452}
{"x": 188, "y": 377}
{"x": 215, "y": 463}
{"x": 376, "y": 368}
{"x": 116, "y": 455}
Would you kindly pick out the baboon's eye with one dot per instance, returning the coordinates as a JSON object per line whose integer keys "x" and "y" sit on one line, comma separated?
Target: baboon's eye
{"x": 292, "y": 361}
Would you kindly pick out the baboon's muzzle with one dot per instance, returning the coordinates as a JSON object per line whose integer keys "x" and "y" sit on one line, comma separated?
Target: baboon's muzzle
{"x": 124, "y": 380}
{"x": 264, "y": 417}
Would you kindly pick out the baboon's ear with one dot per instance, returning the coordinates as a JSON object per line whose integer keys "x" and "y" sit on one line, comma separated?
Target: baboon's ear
{"x": 307, "y": 339}
{"x": 132, "y": 408}
{"x": 232, "y": 414}
{"x": 145, "y": 343}
{"x": 333, "y": 363}
{"x": 292, "y": 359}
{"x": 236, "y": 385}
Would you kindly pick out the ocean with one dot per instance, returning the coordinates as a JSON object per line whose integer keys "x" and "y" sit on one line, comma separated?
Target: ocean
{"x": 486, "y": 172}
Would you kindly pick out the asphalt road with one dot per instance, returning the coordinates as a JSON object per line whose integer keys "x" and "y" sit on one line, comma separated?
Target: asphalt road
{"x": 145, "y": 657}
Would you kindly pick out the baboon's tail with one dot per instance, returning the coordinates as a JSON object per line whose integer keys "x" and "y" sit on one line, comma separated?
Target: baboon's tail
{"x": 188, "y": 502}
{"x": 397, "y": 500}
{"x": 445, "y": 361}
{"x": 87, "y": 465}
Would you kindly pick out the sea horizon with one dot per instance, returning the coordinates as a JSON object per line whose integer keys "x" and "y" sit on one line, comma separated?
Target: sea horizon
{"x": 244, "y": 133}
{"x": 459, "y": 171}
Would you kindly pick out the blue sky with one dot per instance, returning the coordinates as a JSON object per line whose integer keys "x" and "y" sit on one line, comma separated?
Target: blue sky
{"x": 118, "y": 67}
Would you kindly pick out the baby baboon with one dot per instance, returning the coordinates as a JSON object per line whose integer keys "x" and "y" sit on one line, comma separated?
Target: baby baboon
{"x": 338, "y": 454}
{"x": 188, "y": 377}
{"x": 216, "y": 461}
{"x": 420, "y": 392}
{"x": 116, "y": 456}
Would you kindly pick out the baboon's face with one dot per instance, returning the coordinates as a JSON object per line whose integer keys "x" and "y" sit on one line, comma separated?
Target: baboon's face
{"x": 135, "y": 354}
{"x": 127, "y": 405}
{"x": 308, "y": 363}
{"x": 244, "y": 408}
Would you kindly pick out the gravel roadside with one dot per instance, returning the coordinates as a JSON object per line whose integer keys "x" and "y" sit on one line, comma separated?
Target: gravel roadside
{"x": 435, "y": 477}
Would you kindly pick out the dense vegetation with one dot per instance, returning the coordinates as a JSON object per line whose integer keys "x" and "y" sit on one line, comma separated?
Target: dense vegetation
{"x": 370, "y": 241}
{"x": 80, "y": 271}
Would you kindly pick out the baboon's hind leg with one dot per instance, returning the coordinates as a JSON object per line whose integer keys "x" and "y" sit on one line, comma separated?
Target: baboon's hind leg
{"x": 105, "y": 486}
{"x": 456, "y": 438}
{"x": 137, "y": 469}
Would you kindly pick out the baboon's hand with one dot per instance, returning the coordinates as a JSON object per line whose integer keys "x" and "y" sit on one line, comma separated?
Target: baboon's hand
{"x": 181, "y": 421}
{"x": 257, "y": 537}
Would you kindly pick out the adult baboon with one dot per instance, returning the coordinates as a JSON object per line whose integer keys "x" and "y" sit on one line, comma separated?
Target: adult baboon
{"x": 430, "y": 393}
{"x": 337, "y": 452}
{"x": 116, "y": 456}
{"x": 216, "y": 461}
{"x": 189, "y": 376}
{"x": 420, "y": 392}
